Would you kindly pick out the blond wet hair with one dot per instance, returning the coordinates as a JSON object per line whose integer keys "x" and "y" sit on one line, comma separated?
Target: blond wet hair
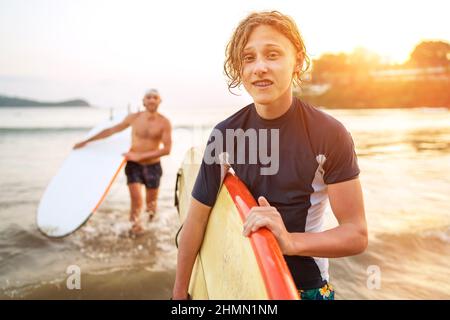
{"x": 283, "y": 24}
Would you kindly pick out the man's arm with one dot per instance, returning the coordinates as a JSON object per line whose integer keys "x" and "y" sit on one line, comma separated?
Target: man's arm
{"x": 191, "y": 238}
{"x": 108, "y": 132}
{"x": 349, "y": 238}
{"x": 166, "y": 141}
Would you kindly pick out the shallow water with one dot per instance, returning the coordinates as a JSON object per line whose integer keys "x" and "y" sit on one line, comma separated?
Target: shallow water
{"x": 404, "y": 157}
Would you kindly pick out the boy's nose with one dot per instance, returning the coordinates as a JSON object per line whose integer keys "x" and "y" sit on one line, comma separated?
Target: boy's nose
{"x": 260, "y": 67}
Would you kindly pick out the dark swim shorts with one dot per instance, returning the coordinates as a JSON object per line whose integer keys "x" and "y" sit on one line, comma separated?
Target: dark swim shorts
{"x": 147, "y": 174}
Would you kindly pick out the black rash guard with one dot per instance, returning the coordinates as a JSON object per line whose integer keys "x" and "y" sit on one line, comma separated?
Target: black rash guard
{"x": 314, "y": 150}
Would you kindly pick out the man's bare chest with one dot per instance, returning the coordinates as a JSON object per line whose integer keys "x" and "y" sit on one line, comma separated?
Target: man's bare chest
{"x": 147, "y": 128}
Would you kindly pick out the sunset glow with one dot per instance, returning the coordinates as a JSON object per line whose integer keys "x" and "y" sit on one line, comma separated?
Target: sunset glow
{"x": 110, "y": 52}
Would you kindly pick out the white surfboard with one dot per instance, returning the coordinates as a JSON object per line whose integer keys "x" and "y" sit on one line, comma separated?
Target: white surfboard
{"x": 82, "y": 182}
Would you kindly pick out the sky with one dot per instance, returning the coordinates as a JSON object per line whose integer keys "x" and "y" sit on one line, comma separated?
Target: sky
{"x": 110, "y": 52}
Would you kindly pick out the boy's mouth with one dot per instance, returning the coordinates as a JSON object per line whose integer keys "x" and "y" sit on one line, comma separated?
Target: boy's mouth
{"x": 262, "y": 83}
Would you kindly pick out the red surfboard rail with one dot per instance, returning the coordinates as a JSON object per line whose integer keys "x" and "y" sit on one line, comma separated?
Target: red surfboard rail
{"x": 274, "y": 270}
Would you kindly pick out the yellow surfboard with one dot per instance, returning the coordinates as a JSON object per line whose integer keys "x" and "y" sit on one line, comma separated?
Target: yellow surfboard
{"x": 230, "y": 265}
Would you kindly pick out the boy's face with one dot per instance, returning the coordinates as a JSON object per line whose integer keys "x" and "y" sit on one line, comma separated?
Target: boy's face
{"x": 151, "y": 102}
{"x": 268, "y": 64}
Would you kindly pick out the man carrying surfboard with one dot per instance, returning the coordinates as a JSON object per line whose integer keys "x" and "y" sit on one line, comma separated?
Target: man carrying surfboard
{"x": 150, "y": 140}
{"x": 315, "y": 161}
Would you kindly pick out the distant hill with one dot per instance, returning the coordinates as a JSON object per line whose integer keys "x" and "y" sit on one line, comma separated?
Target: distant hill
{"x": 21, "y": 102}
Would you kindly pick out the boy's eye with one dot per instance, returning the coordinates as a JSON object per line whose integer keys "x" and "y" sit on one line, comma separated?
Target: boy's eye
{"x": 248, "y": 58}
{"x": 273, "y": 55}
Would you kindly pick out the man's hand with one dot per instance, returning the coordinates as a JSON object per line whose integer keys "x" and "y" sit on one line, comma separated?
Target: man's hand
{"x": 267, "y": 216}
{"x": 80, "y": 145}
{"x": 133, "y": 156}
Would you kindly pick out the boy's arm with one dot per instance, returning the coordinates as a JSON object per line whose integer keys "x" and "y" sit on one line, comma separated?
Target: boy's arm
{"x": 108, "y": 132}
{"x": 349, "y": 238}
{"x": 191, "y": 238}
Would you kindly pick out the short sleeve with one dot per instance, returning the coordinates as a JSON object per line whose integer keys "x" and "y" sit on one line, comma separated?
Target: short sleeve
{"x": 341, "y": 162}
{"x": 207, "y": 184}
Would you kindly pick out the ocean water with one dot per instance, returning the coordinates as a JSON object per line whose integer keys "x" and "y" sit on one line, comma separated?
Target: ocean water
{"x": 404, "y": 157}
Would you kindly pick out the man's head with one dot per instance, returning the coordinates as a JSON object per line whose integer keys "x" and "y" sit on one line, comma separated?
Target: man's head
{"x": 266, "y": 54}
{"x": 151, "y": 100}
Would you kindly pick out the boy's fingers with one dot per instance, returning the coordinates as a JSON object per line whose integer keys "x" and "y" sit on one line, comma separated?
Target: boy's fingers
{"x": 263, "y": 202}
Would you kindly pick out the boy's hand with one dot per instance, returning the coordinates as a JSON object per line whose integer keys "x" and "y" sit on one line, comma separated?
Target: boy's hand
{"x": 267, "y": 216}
